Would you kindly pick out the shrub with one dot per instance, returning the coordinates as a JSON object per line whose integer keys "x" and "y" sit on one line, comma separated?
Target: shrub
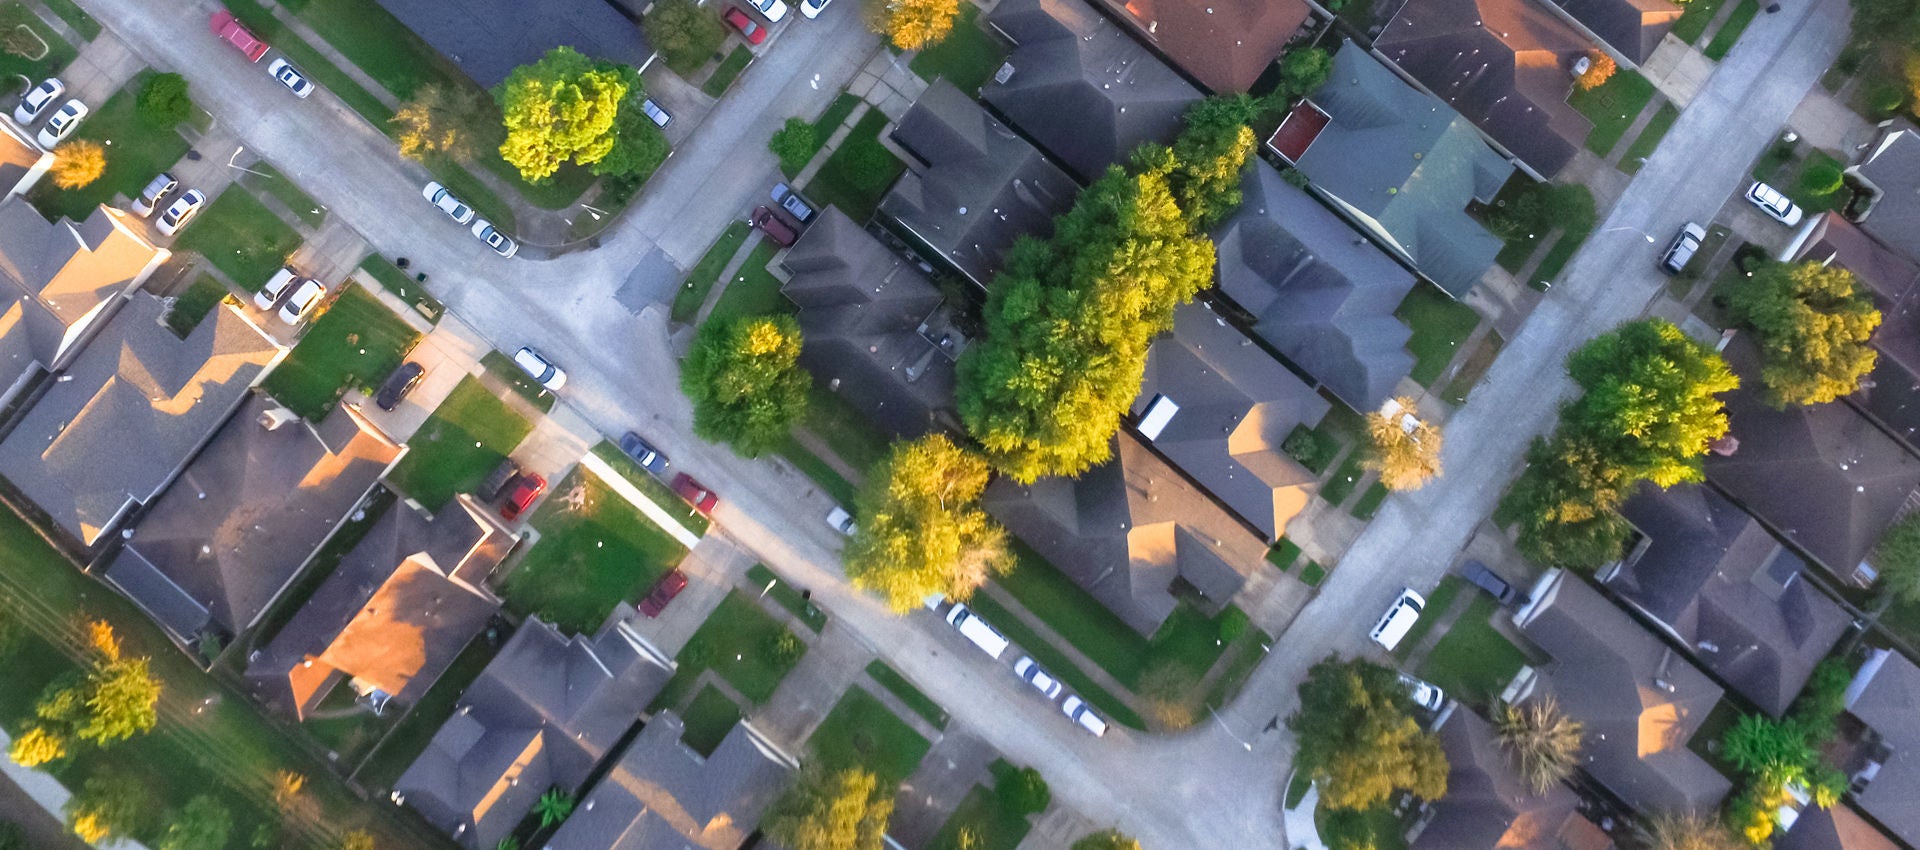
{"x": 1821, "y": 178}
{"x": 163, "y": 101}
{"x": 1310, "y": 448}
{"x": 795, "y": 144}
{"x": 1025, "y": 792}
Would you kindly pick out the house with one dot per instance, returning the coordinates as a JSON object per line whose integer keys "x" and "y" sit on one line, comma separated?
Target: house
{"x": 236, "y": 526}
{"x": 1080, "y": 87}
{"x": 662, "y": 794}
{"x": 22, "y": 161}
{"x": 545, "y": 711}
{"x": 1888, "y": 179}
{"x": 1223, "y": 44}
{"x": 1488, "y": 807}
{"x": 1400, "y": 164}
{"x": 135, "y": 384}
{"x": 874, "y": 330}
{"x": 1849, "y": 479}
{"x": 1638, "y": 699}
{"x": 972, "y": 186}
{"x": 1507, "y": 65}
{"x": 1127, "y": 530}
{"x": 1836, "y": 828}
{"x": 59, "y": 281}
{"x": 402, "y": 603}
{"x": 1319, "y": 293}
{"x": 489, "y": 38}
{"x": 1631, "y": 29}
{"x": 1727, "y": 591}
{"x": 1218, "y": 407}
{"x": 1883, "y": 705}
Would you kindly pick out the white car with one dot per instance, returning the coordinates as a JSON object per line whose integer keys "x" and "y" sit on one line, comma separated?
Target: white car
{"x": 183, "y": 210}
{"x": 438, "y": 196}
{"x": 772, "y": 10}
{"x": 1399, "y": 619}
{"x": 1425, "y": 694}
{"x": 150, "y": 196}
{"x": 62, "y": 124}
{"x": 1773, "y": 203}
{"x": 501, "y": 243}
{"x": 540, "y": 369}
{"x": 1030, "y": 672}
{"x": 656, "y": 113}
{"x": 839, "y": 520}
{"x": 813, "y": 8}
{"x": 282, "y": 280}
{"x": 1082, "y": 716}
{"x": 36, "y": 101}
{"x": 303, "y": 298}
{"x": 291, "y": 77}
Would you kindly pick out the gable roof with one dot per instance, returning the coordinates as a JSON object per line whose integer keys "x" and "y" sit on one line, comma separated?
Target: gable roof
{"x": 1225, "y": 44}
{"x": 1235, "y": 406}
{"x": 973, "y": 186}
{"x": 135, "y": 384}
{"x": 243, "y": 517}
{"x": 1082, "y": 88}
{"x": 1404, "y": 165}
{"x": 58, "y": 278}
{"x": 489, "y": 38}
{"x": 664, "y": 796}
{"x": 1639, "y": 700}
{"x": 1835, "y": 828}
{"x": 1885, "y": 697}
{"x": 1734, "y": 596}
{"x": 542, "y": 714}
{"x": 1504, "y": 64}
{"x": 1319, "y": 292}
{"x": 1890, "y": 171}
{"x": 1126, "y": 529}
{"x": 1633, "y": 28}
{"x": 1487, "y": 807}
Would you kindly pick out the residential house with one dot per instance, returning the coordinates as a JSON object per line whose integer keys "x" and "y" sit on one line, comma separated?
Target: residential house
{"x": 1891, "y": 393}
{"x": 1225, "y": 45}
{"x": 1883, "y": 716}
{"x": 874, "y": 331}
{"x": 1318, "y": 292}
{"x": 1727, "y": 591}
{"x": 1129, "y": 530}
{"x": 662, "y": 794}
{"x": 60, "y": 281}
{"x": 1399, "y": 163}
{"x": 545, "y": 711}
{"x": 1838, "y": 827}
{"x": 402, "y": 603}
{"x": 1631, "y": 29}
{"x": 972, "y": 186}
{"x": 489, "y": 38}
{"x": 1080, "y": 87}
{"x": 1849, "y": 479}
{"x": 1888, "y": 179}
{"x": 1488, "y": 807}
{"x": 135, "y": 384}
{"x": 1638, "y": 699}
{"x": 234, "y": 529}
{"x": 1507, "y": 65}
{"x": 22, "y": 160}
{"x": 1218, "y": 407}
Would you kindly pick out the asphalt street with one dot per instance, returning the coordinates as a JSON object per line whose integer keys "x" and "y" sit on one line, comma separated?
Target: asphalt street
{"x": 1216, "y": 786}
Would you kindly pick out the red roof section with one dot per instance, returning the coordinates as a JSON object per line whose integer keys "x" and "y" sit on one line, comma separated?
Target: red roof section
{"x": 1297, "y": 131}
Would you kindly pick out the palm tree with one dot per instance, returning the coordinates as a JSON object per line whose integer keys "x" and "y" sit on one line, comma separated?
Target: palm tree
{"x": 1687, "y": 832}
{"x": 1542, "y": 740}
{"x": 554, "y": 806}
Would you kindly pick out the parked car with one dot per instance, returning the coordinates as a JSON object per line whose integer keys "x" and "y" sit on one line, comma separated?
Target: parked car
{"x": 773, "y": 10}
{"x": 497, "y": 480}
{"x": 1400, "y": 617}
{"x": 62, "y": 124}
{"x": 663, "y": 592}
{"x": 520, "y": 495}
{"x": 291, "y": 77}
{"x": 791, "y": 201}
{"x": 1082, "y": 716}
{"x": 501, "y": 243}
{"x": 776, "y": 229}
{"x": 398, "y": 384}
{"x": 1030, "y": 672}
{"x": 183, "y": 210}
{"x": 1684, "y": 246}
{"x": 150, "y": 196}
{"x": 643, "y": 453}
{"x": 655, "y": 113}
{"x": 695, "y": 493}
{"x": 1425, "y": 695}
{"x": 230, "y": 31}
{"x": 839, "y": 520}
{"x": 1775, "y": 204}
{"x": 304, "y": 296}
{"x": 37, "y": 99}
{"x": 976, "y": 630}
{"x": 812, "y": 8}
{"x": 438, "y": 196}
{"x": 282, "y": 280}
{"x": 540, "y": 369}
{"x": 752, "y": 32}
{"x": 1503, "y": 591}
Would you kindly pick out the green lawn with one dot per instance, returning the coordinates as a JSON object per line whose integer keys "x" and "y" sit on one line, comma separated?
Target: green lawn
{"x": 1693, "y": 22}
{"x": 823, "y": 127}
{"x": 589, "y": 558}
{"x": 845, "y": 429}
{"x": 1612, "y": 107}
{"x": 379, "y": 44}
{"x": 502, "y": 367}
{"x": 1472, "y": 661}
{"x": 135, "y": 153}
{"x": 1439, "y": 325}
{"x": 693, "y": 293}
{"x": 1438, "y": 601}
{"x": 989, "y": 821}
{"x": 393, "y": 280}
{"x": 858, "y": 172}
{"x": 754, "y": 291}
{"x": 465, "y": 439}
{"x": 1649, "y": 138}
{"x": 554, "y": 193}
{"x": 727, "y": 71}
{"x": 347, "y": 730}
{"x": 271, "y": 181}
{"x": 862, "y": 732}
{"x": 787, "y": 596}
{"x": 913, "y": 697}
{"x": 194, "y": 304}
{"x": 967, "y": 57}
{"x": 1729, "y": 32}
{"x": 414, "y": 731}
{"x": 1562, "y": 252}
{"x": 1237, "y": 667}
{"x": 736, "y": 642}
{"x": 653, "y": 488}
{"x": 1312, "y": 574}
{"x": 1345, "y": 477}
{"x": 14, "y": 15}
{"x": 82, "y": 23}
{"x": 828, "y": 479}
{"x": 1283, "y": 554}
{"x": 1370, "y": 501}
{"x": 357, "y": 342}
{"x": 263, "y": 23}
{"x": 240, "y": 236}
{"x": 709, "y": 718}
{"x": 1056, "y": 662}
{"x": 1472, "y": 369}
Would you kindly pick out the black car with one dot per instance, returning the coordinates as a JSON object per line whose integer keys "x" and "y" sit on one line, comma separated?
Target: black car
{"x": 401, "y": 382}
{"x": 1485, "y": 579}
{"x": 643, "y": 453}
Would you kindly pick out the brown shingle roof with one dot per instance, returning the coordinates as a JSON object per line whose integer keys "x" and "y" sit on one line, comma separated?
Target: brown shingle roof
{"x": 1225, "y": 44}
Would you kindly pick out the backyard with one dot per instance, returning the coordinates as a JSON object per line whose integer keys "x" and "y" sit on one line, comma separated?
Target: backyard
{"x": 192, "y": 305}
{"x": 858, "y": 172}
{"x": 465, "y": 439}
{"x": 357, "y": 342}
{"x": 1473, "y": 662}
{"x": 595, "y": 550}
{"x": 741, "y": 643}
{"x": 861, "y": 732}
{"x": 135, "y": 152}
{"x": 967, "y": 57}
{"x": 1440, "y": 324}
{"x": 239, "y": 236}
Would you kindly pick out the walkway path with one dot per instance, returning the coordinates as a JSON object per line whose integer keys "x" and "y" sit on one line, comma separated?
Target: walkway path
{"x": 619, "y": 483}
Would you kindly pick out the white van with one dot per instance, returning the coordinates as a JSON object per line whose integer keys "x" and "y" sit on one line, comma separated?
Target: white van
{"x": 1399, "y": 619}
{"x": 975, "y": 629}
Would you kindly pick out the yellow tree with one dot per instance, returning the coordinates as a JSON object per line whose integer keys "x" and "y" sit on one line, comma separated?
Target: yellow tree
{"x": 913, "y": 24}
{"x": 1814, "y": 324}
{"x": 456, "y": 122}
{"x": 845, "y": 810}
{"x": 1406, "y": 449}
{"x": 78, "y": 163}
{"x": 561, "y": 108}
{"x": 37, "y": 746}
{"x": 922, "y": 530}
{"x": 1600, "y": 69}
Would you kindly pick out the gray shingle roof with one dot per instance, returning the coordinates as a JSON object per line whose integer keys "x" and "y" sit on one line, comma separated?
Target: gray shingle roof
{"x": 973, "y": 186}
{"x": 1836, "y": 828}
{"x": 1885, "y": 697}
{"x": 1892, "y": 168}
{"x": 1319, "y": 292}
{"x": 1487, "y": 807}
{"x": 489, "y": 38}
{"x": 1225, "y": 44}
{"x": 1081, "y": 87}
{"x": 1634, "y": 28}
{"x": 1405, "y": 165}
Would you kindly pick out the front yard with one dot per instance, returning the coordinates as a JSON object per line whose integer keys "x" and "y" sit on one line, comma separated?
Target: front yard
{"x": 34, "y": 64}
{"x": 595, "y": 550}
{"x": 986, "y": 818}
{"x": 135, "y": 152}
{"x": 967, "y": 57}
{"x": 1473, "y": 662}
{"x": 741, "y": 643}
{"x": 1612, "y": 107}
{"x": 465, "y": 439}
{"x": 862, "y": 732}
{"x": 693, "y": 293}
{"x": 500, "y": 366}
{"x": 1439, "y": 324}
{"x": 858, "y": 172}
{"x": 239, "y": 236}
{"x": 357, "y": 342}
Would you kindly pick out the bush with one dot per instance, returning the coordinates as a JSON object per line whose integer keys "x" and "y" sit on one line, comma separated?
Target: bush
{"x": 784, "y": 647}
{"x": 1310, "y": 448}
{"x": 1883, "y": 99}
{"x": 1600, "y": 70}
{"x": 685, "y": 34}
{"x": 163, "y": 101}
{"x": 1025, "y": 792}
{"x": 795, "y": 144}
{"x": 1821, "y": 178}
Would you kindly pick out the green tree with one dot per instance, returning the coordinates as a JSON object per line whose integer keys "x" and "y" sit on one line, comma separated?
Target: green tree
{"x": 453, "y": 121}
{"x": 1812, "y": 323}
{"x": 561, "y": 108}
{"x": 1024, "y": 791}
{"x": 794, "y": 143}
{"x": 1359, "y": 740}
{"x": 163, "y": 101}
{"x": 113, "y": 698}
{"x": 638, "y": 146}
{"x": 744, "y": 378}
{"x": 1208, "y": 158}
{"x": 1348, "y": 829}
{"x": 1111, "y": 839}
{"x": 845, "y": 810}
{"x": 203, "y": 824}
{"x": 1564, "y": 504}
{"x": 554, "y": 806}
{"x": 922, "y": 530}
{"x": 912, "y": 24}
{"x": 1649, "y": 403}
{"x": 1776, "y": 750}
{"x": 1303, "y": 70}
{"x": 109, "y": 805}
{"x": 685, "y": 34}
{"x": 1540, "y": 739}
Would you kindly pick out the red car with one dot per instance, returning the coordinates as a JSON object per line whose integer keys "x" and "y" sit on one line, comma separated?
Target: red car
{"x": 664, "y": 590}
{"x": 229, "y": 30}
{"x": 520, "y": 494}
{"x": 696, "y": 494}
{"x": 752, "y": 32}
{"x": 777, "y": 230}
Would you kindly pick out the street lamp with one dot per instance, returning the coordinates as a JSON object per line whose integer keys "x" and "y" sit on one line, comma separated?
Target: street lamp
{"x": 1643, "y": 234}
{"x": 1224, "y": 728}
{"x": 236, "y": 155}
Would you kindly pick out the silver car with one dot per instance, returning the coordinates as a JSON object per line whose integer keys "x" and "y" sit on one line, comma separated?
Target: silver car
{"x": 1029, "y": 671}
{"x": 540, "y": 369}
{"x": 36, "y": 101}
{"x": 156, "y": 189}
{"x": 438, "y": 196}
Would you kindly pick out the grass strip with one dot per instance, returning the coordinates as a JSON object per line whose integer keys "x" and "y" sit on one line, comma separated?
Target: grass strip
{"x": 1055, "y": 661}
{"x": 923, "y": 705}
{"x": 787, "y": 596}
